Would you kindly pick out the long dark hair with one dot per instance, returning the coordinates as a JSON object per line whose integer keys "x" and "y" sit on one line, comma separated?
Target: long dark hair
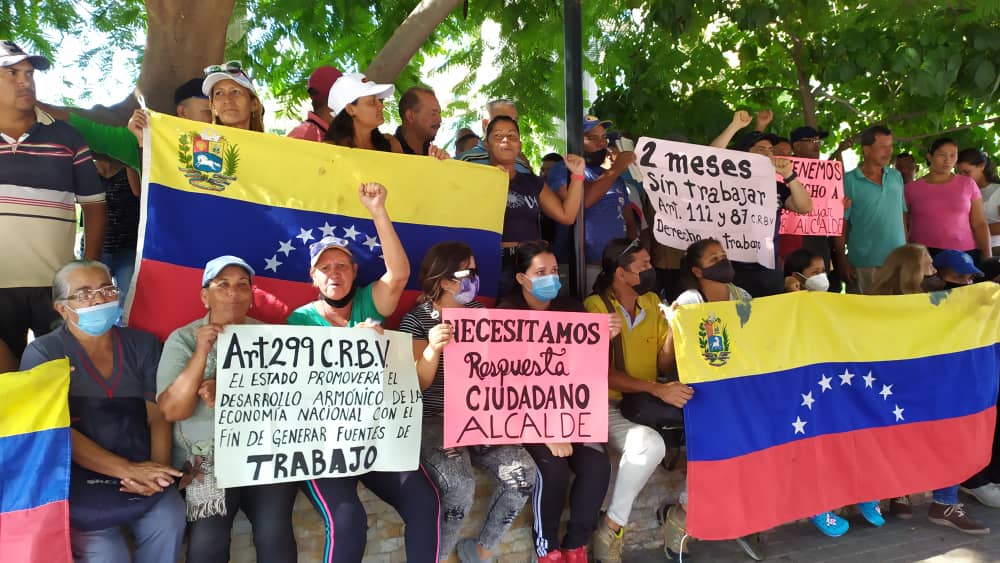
{"x": 440, "y": 263}
{"x": 341, "y": 132}
{"x": 976, "y": 157}
{"x": 692, "y": 259}
{"x": 940, "y": 143}
{"x": 619, "y": 253}
{"x": 798, "y": 261}
{"x": 526, "y": 252}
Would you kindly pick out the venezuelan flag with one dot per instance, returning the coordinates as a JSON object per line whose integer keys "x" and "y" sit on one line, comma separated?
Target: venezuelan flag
{"x": 811, "y": 401}
{"x": 210, "y": 190}
{"x": 34, "y": 464}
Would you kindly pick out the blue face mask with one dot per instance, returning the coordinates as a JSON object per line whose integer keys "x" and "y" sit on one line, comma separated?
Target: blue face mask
{"x": 98, "y": 319}
{"x": 546, "y": 288}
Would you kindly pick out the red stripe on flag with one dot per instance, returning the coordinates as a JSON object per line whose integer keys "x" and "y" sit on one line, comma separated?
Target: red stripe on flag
{"x": 36, "y": 534}
{"x": 811, "y": 476}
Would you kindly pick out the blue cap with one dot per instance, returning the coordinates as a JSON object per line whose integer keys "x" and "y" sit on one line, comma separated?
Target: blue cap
{"x": 592, "y": 121}
{"x": 956, "y": 261}
{"x": 215, "y": 266}
{"x": 319, "y": 247}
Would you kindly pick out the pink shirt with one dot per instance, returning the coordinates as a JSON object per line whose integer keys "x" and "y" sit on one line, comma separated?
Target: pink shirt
{"x": 939, "y": 213}
{"x": 312, "y": 129}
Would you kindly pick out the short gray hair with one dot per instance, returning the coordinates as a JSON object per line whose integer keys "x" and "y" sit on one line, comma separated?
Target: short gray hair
{"x": 60, "y": 283}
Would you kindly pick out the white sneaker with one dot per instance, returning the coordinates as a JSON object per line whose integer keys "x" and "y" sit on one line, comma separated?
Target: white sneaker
{"x": 988, "y": 494}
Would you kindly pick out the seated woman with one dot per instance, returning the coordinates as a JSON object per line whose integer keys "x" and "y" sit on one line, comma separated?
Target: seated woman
{"x": 805, "y": 271}
{"x": 121, "y": 475}
{"x": 906, "y": 271}
{"x": 186, "y": 383}
{"x": 538, "y": 290}
{"x": 448, "y": 278}
{"x": 342, "y": 304}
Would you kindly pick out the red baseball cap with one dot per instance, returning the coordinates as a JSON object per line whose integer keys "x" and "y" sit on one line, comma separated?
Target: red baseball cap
{"x": 322, "y": 79}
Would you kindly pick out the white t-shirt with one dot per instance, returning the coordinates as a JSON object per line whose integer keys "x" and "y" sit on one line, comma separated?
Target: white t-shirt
{"x": 991, "y": 203}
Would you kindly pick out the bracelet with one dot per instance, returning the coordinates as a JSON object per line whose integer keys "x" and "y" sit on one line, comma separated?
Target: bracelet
{"x": 791, "y": 178}
{"x": 580, "y": 177}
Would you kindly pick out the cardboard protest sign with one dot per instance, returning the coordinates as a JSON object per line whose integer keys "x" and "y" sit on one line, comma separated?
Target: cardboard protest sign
{"x": 699, "y": 192}
{"x": 525, "y": 377}
{"x": 824, "y": 180}
{"x": 295, "y": 403}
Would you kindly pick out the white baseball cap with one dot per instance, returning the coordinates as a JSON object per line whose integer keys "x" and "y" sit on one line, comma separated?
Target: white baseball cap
{"x": 232, "y": 70}
{"x": 349, "y": 87}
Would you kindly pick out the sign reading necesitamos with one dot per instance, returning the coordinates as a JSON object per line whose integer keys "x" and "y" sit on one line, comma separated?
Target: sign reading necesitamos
{"x": 295, "y": 403}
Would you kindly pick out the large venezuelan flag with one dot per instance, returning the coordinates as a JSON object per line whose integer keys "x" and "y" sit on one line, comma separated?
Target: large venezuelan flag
{"x": 210, "y": 190}
{"x": 811, "y": 401}
{"x": 34, "y": 464}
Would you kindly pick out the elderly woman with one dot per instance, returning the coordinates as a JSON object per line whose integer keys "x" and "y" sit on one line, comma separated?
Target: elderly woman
{"x": 186, "y": 383}
{"x": 120, "y": 477}
{"x": 342, "y": 303}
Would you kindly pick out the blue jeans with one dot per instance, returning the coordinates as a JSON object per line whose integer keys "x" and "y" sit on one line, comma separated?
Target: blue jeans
{"x": 947, "y": 495}
{"x": 122, "y": 266}
{"x": 158, "y": 535}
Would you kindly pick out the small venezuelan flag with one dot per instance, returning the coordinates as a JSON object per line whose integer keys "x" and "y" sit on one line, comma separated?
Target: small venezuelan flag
{"x": 210, "y": 190}
{"x": 808, "y": 402}
{"x": 34, "y": 464}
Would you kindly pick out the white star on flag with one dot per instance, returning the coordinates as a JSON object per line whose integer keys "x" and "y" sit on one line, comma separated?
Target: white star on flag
{"x": 886, "y": 391}
{"x": 800, "y": 425}
{"x": 824, "y": 383}
{"x": 899, "y": 413}
{"x": 869, "y": 380}
{"x": 272, "y": 263}
{"x": 807, "y": 400}
{"x": 846, "y": 377}
{"x": 371, "y": 242}
{"x": 351, "y": 233}
{"x": 305, "y": 235}
{"x": 285, "y": 247}
{"x": 327, "y": 229}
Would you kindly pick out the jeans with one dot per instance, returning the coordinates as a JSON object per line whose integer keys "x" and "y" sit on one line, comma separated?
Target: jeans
{"x": 947, "y": 495}
{"x": 158, "y": 534}
{"x": 122, "y": 266}
{"x": 269, "y": 509}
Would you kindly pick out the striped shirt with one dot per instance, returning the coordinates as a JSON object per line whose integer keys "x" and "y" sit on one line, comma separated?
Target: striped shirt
{"x": 42, "y": 176}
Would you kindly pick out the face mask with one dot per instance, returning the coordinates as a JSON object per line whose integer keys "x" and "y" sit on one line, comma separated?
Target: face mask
{"x": 546, "y": 288}
{"x": 647, "y": 281}
{"x": 932, "y": 283}
{"x": 343, "y": 301}
{"x": 819, "y": 282}
{"x": 468, "y": 290}
{"x": 953, "y": 285}
{"x": 98, "y": 319}
{"x": 722, "y": 271}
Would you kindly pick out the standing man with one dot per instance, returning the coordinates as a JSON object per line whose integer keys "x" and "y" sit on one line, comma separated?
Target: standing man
{"x": 45, "y": 169}
{"x": 874, "y": 224}
{"x": 478, "y": 153}
{"x": 907, "y": 166}
{"x": 318, "y": 121}
{"x": 420, "y": 113}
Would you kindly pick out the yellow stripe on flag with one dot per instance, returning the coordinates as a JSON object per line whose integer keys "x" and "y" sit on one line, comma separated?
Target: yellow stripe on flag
{"x": 35, "y": 400}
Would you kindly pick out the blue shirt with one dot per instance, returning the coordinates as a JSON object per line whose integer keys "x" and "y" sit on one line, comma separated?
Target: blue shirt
{"x": 479, "y": 155}
{"x": 875, "y": 218}
{"x": 602, "y": 221}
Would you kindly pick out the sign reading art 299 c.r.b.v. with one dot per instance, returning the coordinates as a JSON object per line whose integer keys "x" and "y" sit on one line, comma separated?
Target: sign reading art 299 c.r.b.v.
{"x": 700, "y": 192}
{"x": 296, "y": 403}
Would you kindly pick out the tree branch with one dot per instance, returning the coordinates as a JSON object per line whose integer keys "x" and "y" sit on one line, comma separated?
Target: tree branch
{"x": 408, "y": 38}
{"x": 952, "y": 130}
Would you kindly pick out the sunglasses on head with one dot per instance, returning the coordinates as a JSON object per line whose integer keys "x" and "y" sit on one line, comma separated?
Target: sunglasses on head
{"x": 466, "y": 273}
{"x": 634, "y": 245}
{"x": 232, "y": 67}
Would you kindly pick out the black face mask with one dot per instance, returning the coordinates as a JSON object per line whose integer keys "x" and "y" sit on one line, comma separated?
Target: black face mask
{"x": 722, "y": 272}
{"x": 647, "y": 281}
{"x": 953, "y": 285}
{"x": 932, "y": 283}
{"x": 343, "y": 301}
{"x": 596, "y": 158}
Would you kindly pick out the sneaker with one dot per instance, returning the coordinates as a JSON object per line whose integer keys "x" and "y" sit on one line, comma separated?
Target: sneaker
{"x": 872, "y": 513}
{"x": 554, "y": 556}
{"x": 988, "y": 494}
{"x": 673, "y": 525}
{"x": 608, "y": 545}
{"x": 901, "y": 508}
{"x": 467, "y": 552}
{"x": 954, "y": 515}
{"x": 831, "y": 524}
{"x": 752, "y": 546}
{"x": 578, "y": 555}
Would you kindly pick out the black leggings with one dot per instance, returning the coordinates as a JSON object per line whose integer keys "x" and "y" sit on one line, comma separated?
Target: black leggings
{"x": 593, "y": 474}
{"x": 411, "y": 493}
{"x": 269, "y": 509}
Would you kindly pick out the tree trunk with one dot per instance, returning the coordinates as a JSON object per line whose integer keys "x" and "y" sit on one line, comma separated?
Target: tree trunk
{"x": 805, "y": 91}
{"x": 408, "y": 38}
{"x": 182, "y": 38}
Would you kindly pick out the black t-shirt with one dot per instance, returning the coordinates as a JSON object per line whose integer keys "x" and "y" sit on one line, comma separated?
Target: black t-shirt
{"x": 407, "y": 149}
{"x": 122, "y": 230}
{"x": 520, "y": 220}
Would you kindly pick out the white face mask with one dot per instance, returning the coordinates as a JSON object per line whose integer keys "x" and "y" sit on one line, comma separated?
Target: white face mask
{"x": 819, "y": 282}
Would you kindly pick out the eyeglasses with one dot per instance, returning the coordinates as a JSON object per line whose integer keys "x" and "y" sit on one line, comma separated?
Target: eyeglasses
{"x": 513, "y": 137}
{"x": 635, "y": 244}
{"x": 466, "y": 273}
{"x": 106, "y": 292}
{"x": 232, "y": 67}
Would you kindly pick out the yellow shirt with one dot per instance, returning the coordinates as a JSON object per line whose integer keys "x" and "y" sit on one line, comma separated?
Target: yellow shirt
{"x": 642, "y": 337}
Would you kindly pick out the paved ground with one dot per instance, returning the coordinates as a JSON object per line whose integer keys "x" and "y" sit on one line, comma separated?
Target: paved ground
{"x": 897, "y": 541}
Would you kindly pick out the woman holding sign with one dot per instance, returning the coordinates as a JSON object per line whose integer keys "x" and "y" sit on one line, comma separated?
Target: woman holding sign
{"x": 538, "y": 290}
{"x": 448, "y": 278}
{"x": 342, "y": 304}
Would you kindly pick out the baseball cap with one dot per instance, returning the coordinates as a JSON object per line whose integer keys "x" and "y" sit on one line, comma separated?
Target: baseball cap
{"x": 215, "y": 266}
{"x": 322, "y": 245}
{"x": 232, "y": 70}
{"x": 349, "y": 87}
{"x": 956, "y": 261}
{"x": 322, "y": 79}
{"x": 11, "y": 54}
{"x": 754, "y": 137}
{"x": 592, "y": 121}
{"x": 190, "y": 89}
{"x": 807, "y": 132}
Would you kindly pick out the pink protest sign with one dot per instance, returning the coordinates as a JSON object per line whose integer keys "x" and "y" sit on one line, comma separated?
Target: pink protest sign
{"x": 824, "y": 180}
{"x": 525, "y": 377}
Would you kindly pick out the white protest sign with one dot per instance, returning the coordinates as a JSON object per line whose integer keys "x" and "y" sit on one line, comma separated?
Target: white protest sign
{"x": 700, "y": 192}
{"x": 295, "y": 403}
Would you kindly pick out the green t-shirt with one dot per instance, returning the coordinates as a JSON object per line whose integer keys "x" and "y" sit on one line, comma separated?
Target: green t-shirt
{"x": 362, "y": 309}
{"x": 117, "y": 142}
